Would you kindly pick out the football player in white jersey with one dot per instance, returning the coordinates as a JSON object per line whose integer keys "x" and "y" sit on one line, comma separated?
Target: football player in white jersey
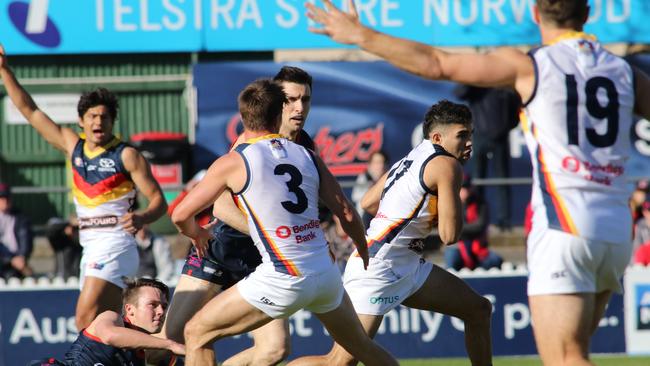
{"x": 278, "y": 184}
{"x": 579, "y": 102}
{"x": 105, "y": 172}
{"x": 419, "y": 193}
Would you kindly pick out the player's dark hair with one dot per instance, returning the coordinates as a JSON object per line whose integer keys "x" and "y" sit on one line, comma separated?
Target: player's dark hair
{"x": 564, "y": 13}
{"x": 260, "y": 105}
{"x": 445, "y": 113}
{"x": 94, "y": 98}
{"x": 130, "y": 292}
{"x": 293, "y": 74}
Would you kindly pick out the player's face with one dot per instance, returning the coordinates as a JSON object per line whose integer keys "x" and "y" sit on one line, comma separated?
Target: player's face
{"x": 97, "y": 124}
{"x": 457, "y": 140}
{"x": 149, "y": 312}
{"x": 295, "y": 112}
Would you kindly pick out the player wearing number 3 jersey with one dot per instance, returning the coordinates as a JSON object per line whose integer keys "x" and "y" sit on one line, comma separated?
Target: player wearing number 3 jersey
{"x": 278, "y": 184}
{"x": 579, "y": 105}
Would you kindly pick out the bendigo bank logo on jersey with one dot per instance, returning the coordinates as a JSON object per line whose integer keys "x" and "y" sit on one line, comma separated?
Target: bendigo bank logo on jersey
{"x": 303, "y": 233}
{"x": 346, "y": 154}
{"x": 643, "y": 306}
{"x": 602, "y": 174}
{"x": 32, "y": 21}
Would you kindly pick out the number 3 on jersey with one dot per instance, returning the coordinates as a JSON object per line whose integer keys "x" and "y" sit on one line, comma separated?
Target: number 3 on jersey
{"x": 293, "y": 185}
{"x": 609, "y": 111}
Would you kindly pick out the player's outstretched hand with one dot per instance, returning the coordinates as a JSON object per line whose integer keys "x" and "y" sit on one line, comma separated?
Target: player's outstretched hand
{"x": 200, "y": 242}
{"x": 177, "y": 348}
{"x": 132, "y": 222}
{"x": 342, "y": 27}
{"x": 3, "y": 57}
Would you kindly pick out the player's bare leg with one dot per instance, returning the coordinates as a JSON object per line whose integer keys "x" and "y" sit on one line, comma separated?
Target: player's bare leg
{"x": 271, "y": 345}
{"x": 190, "y": 295}
{"x": 344, "y": 326}
{"x": 602, "y": 299}
{"x": 338, "y": 355}
{"x": 97, "y": 295}
{"x": 226, "y": 315}
{"x": 562, "y": 325}
{"x": 445, "y": 293}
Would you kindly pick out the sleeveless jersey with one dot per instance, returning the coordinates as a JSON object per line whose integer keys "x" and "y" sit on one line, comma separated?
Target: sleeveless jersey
{"x": 578, "y": 121}
{"x": 102, "y": 188}
{"x": 407, "y": 209}
{"x": 235, "y": 251}
{"x": 280, "y": 198}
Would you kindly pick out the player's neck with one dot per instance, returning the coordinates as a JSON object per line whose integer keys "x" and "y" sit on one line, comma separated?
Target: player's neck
{"x": 551, "y": 34}
{"x": 248, "y": 134}
{"x": 289, "y": 134}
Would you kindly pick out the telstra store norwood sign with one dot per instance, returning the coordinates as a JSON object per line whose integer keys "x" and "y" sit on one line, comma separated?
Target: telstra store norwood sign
{"x": 64, "y": 26}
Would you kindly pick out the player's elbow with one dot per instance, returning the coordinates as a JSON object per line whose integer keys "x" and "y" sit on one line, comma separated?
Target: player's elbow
{"x": 448, "y": 235}
{"x": 179, "y": 216}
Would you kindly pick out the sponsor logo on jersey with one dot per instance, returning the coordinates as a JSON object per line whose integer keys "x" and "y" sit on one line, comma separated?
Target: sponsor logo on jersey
{"x": 97, "y": 222}
{"x": 283, "y": 232}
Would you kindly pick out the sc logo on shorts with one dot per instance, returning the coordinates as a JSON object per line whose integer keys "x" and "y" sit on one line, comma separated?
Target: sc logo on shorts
{"x": 32, "y": 21}
{"x": 642, "y": 306}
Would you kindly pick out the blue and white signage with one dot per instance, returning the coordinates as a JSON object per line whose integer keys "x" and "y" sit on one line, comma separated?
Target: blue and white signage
{"x": 107, "y": 26}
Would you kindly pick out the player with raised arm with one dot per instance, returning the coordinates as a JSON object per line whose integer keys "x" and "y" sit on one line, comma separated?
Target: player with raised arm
{"x": 106, "y": 173}
{"x": 579, "y": 102}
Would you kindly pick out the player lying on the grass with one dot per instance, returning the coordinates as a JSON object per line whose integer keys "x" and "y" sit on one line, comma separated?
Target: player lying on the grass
{"x": 278, "y": 183}
{"x": 114, "y": 339}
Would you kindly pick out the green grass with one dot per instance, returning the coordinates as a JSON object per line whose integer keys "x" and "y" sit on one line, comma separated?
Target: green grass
{"x": 612, "y": 360}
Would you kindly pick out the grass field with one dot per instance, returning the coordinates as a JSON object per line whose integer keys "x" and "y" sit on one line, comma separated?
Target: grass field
{"x": 611, "y": 360}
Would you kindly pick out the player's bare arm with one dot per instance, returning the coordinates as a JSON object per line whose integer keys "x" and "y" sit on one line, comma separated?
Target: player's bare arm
{"x": 228, "y": 171}
{"x": 642, "y": 94}
{"x": 444, "y": 176}
{"x": 141, "y": 175}
{"x": 109, "y": 327}
{"x": 62, "y": 138}
{"x": 507, "y": 67}
{"x": 370, "y": 200}
{"x": 333, "y": 197}
{"x": 227, "y": 211}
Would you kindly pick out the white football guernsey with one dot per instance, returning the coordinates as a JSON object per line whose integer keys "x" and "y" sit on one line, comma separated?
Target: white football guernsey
{"x": 407, "y": 212}
{"x": 578, "y": 121}
{"x": 280, "y": 198}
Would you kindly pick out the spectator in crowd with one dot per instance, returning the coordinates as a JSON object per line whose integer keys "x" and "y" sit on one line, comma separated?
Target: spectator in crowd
{"x": 16, "y": 238}
{"x": 637, "y": 199}
{"x": 472, "y": 250}
{"x": 641, "y": 253}
{"x": 63, "y": 236}
{"x": 495, "y": 112}
{"x": 156, "y": 259}
{"x": 376, "y": 168}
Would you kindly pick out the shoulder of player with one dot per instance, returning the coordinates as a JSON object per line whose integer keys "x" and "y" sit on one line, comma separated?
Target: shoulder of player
{"x": 131, "y": 157}
{"x": 443, "y": 167}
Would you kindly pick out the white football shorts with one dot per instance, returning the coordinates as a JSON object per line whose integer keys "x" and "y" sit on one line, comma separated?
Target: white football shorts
{"x": 561, "y": 263}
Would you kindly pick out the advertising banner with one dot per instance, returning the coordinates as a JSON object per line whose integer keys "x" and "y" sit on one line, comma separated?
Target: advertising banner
{"x": 114, "y": 26}
{"x": 637, "y": 310}
{"x": 40, "y": 323}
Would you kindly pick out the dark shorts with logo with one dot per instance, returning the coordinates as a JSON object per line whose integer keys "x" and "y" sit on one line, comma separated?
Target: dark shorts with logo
{"x": 231, "y": 256}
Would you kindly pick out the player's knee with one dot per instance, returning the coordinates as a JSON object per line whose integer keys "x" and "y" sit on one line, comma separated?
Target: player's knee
{"x": 273, "y": 356}
{"x": 481, "y": 313}
{"x": 192, "y": 332}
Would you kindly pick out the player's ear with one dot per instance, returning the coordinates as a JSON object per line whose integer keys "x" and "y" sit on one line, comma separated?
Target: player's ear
{"x": 536, "y": 17}
{"x": 129, "y": 309}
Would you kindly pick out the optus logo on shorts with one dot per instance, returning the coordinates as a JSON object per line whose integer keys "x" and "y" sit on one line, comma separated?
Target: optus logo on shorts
{"x": 384, "y": 299}
{"x": 32, "y": 21}
{"x": 643, "y": 306}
